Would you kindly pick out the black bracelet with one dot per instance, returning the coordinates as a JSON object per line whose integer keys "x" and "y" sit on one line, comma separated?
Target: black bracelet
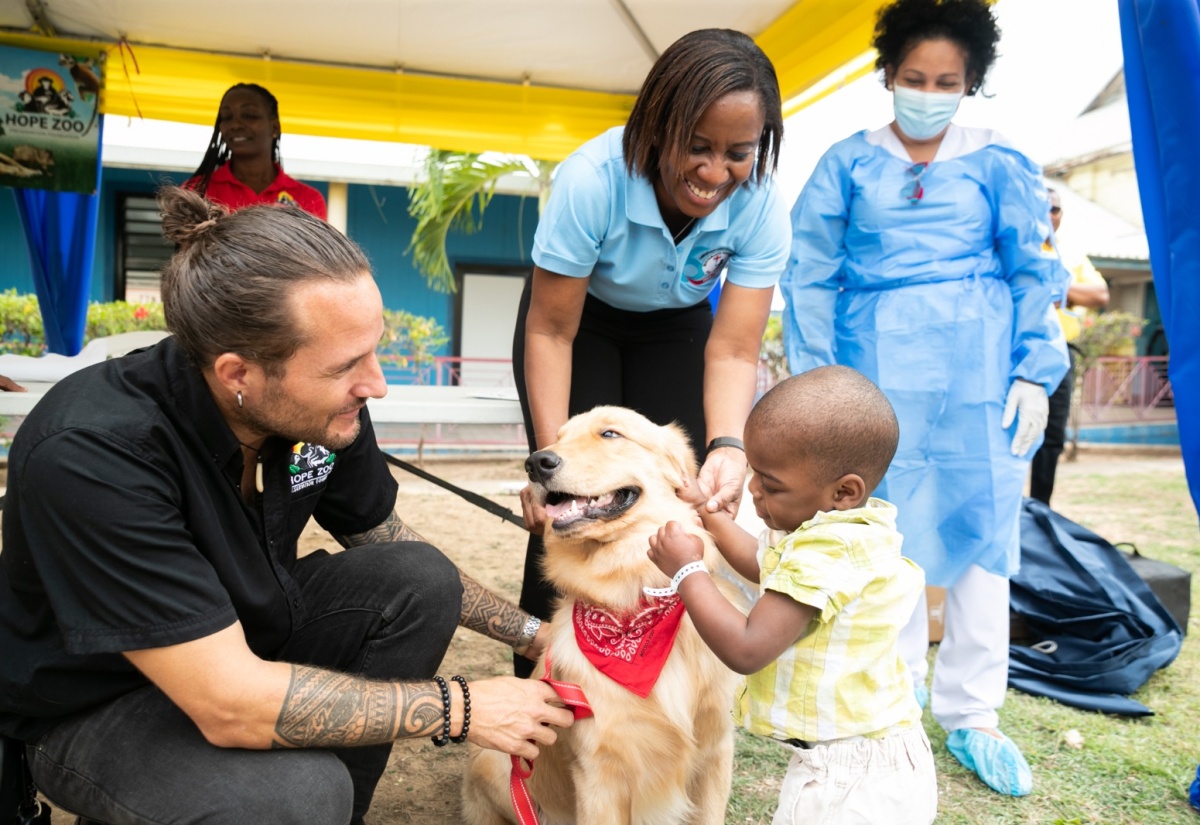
{"x": 462, "y": 737}
{"x": 725, "y": 441}
{"x": 445, "y": 737}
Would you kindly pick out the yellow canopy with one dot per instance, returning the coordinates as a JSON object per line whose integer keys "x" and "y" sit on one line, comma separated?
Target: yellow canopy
{"x": 810, "y": 40}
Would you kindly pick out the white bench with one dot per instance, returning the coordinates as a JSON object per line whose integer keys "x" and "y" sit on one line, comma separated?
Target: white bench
{"x": 404, "y": 404}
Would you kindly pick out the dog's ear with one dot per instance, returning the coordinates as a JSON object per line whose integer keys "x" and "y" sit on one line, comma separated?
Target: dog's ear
{"x": 678, "y": 449}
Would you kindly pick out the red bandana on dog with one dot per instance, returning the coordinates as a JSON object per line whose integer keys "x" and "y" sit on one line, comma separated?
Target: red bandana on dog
{"x": 631, "y": 649}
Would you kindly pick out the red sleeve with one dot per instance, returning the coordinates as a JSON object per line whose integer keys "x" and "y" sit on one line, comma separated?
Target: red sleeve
{"x": 310, "y": 201}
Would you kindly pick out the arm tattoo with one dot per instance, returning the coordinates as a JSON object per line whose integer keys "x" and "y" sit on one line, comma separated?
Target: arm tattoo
{"x": 392, "y": 529}
{"x": 485, "y": 612}
{"x": 324, "y": 709}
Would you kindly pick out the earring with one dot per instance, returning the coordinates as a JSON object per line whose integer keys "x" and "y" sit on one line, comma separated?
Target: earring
{"x": 239, "y": 398}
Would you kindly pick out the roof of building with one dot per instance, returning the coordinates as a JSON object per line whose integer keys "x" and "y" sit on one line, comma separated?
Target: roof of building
{"x": 1096, "y": 231}
{"x": 1102, "y": 130}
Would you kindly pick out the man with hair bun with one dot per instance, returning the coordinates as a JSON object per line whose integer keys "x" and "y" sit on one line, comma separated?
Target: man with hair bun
{"x": 168, "y": 657}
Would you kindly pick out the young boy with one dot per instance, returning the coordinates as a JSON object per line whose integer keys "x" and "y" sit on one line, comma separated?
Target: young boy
{"x": 820, "y": 644}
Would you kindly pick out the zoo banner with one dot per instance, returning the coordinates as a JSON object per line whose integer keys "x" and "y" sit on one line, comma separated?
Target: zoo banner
{"x": 49, "y": 119}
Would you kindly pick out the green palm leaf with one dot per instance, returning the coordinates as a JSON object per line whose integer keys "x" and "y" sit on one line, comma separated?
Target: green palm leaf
{"x": 457, "y": 189}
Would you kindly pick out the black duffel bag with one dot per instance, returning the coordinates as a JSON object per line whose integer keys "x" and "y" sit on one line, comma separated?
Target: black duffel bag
{"x": 1172, "y": 585}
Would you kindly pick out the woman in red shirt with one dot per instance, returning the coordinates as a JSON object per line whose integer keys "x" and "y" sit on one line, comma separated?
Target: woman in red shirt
{"x": 242, "y": 165}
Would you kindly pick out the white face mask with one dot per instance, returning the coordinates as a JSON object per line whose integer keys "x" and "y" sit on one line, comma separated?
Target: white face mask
{"x": 921, "y": 115}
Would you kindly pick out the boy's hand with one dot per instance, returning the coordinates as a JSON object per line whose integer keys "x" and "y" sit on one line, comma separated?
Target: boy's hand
{"x": 694, "y": 493}
{"x": 673, "y": 547}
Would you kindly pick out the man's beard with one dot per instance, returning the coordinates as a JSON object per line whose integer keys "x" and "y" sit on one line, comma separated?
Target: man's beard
{"x": 292, "y": 426}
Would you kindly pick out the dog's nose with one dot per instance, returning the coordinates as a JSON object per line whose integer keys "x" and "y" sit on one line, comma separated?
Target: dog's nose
{"x": 541, "y": 465}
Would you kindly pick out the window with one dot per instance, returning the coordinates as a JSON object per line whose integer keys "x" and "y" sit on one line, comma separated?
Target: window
{"x": 141, "y": 248}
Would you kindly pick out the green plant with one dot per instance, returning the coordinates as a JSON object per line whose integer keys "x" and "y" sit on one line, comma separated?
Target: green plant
{"x": 456, "y": 190}
{"x": 772, "y": 352}
{"x": 117, "y": 317}
{"x": 409, "y": 340}
{"x": 24, "y": 333}
{"x": 22, "y": 324}
{"x": 1102, "y": 334}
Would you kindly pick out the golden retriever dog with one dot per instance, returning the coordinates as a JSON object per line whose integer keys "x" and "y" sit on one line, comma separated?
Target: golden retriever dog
{"x": 608, "y": 484}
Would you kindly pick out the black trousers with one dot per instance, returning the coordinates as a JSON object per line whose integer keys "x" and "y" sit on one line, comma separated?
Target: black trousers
{"x": 384, "y": 611}
{"x": 1045, "y": 460}
{"x": 652, "y": 362}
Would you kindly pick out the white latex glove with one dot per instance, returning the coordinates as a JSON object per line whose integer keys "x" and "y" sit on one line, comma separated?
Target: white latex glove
{"x": 1030, "y": 406}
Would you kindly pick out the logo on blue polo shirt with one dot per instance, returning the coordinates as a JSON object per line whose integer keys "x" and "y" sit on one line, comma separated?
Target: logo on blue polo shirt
{"x": 311, "y": 465}
{"x": 710, "y": 266}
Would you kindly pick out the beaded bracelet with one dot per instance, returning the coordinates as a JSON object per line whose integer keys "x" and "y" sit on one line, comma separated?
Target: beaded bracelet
{"x": 440, "y": 741}
{"x": 462, "y": 737}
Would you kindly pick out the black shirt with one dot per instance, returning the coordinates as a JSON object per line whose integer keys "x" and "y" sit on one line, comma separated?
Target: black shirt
{"x": 124, "y": 529}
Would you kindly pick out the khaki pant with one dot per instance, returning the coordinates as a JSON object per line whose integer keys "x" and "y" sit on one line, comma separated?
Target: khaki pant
{"x": 859, "y": 780}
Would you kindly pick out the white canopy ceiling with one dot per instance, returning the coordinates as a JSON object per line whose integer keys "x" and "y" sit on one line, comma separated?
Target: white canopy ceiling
{"x": 600, "y": 45}
{"x": 529, "y": 76}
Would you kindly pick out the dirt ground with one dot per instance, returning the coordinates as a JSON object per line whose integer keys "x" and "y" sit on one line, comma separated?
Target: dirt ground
{"x": 421, "y": 784}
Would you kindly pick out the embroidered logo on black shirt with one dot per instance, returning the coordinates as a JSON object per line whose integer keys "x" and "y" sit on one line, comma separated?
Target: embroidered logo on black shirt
{"x": 311, "y": 465}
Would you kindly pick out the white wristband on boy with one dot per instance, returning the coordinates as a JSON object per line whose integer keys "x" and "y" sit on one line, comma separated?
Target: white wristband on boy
{"x": 680, "y": 575}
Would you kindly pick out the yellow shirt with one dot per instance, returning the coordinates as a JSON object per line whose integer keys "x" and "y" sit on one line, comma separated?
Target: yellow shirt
{"x": 845, "y": 677}
{"x": 1082, "y": 273}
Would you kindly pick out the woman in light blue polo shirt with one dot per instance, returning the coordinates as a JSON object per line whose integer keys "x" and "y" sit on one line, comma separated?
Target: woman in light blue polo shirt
{"x": 641, "y": 223}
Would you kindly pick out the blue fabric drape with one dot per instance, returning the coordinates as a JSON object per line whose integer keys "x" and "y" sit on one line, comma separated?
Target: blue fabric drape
{"x": 60, "y": 232}
{"x": 1161, "y": 44}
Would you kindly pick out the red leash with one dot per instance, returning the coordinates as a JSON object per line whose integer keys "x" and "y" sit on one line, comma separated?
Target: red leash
{"x": 572, "y": 696}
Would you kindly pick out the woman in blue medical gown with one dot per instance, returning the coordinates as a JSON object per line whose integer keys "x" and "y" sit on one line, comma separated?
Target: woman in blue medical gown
{"x": 917, "y": 259}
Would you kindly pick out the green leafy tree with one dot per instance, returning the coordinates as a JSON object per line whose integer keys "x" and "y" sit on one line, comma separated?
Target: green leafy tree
{"x": 21, "y": 331}
{"x": 410, "y": 342}
{"x": 1105, "y": 333}
{"x": 457, "y": 188}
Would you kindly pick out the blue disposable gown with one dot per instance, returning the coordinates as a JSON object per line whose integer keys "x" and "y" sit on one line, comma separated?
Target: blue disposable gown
{"x": 943, "y": 303}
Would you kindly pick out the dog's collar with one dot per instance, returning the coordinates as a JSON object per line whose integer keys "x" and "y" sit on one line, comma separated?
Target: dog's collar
{"x": 630, "y": 648}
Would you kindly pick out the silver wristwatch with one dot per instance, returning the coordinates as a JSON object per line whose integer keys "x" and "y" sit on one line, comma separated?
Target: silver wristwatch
{"x": 532, "y": 625}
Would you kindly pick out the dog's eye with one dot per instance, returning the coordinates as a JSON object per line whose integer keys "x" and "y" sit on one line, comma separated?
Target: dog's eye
{"x": 611, "y": 434}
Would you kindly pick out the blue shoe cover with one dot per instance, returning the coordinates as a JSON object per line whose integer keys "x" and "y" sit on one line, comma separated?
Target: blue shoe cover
{"x": 998, "y": 762}
{"x": 921, "y": 693}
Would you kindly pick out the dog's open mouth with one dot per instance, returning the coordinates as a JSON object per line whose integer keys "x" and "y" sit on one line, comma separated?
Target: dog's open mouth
{"x": 565, "y": 510}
